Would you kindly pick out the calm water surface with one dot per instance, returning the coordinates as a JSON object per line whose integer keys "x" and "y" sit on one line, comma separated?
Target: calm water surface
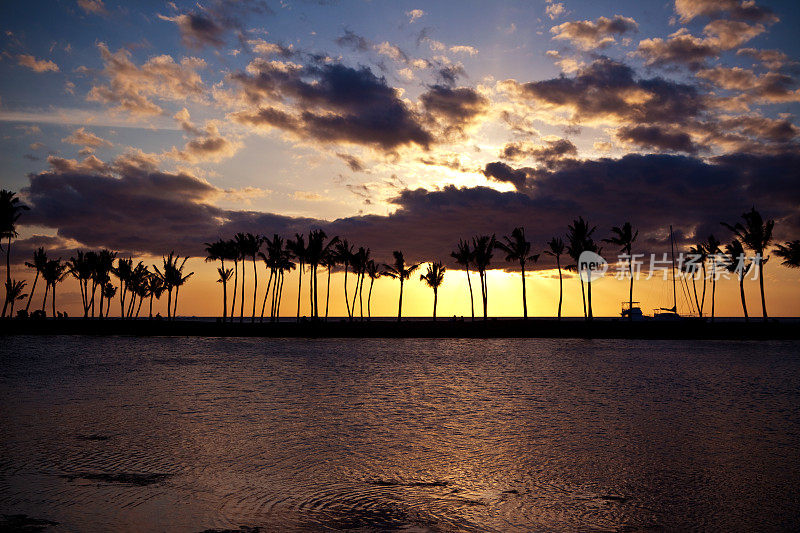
{"x": 192, "y": 434}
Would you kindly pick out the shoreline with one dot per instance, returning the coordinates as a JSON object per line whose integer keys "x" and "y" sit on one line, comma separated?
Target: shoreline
{"x": 600, "y": 328}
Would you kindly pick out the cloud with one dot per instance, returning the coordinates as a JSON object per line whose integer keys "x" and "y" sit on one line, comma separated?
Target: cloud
{"x": 96, "y": 7}
{"x": 554, "y": 10}
{"x": 36, "y": 65}
{"x": 502, "y": 172}
{"x": 738, "y": 9}
{"x": 82, "y": 137}
{"x": 657, "y": 138}
{"x": 772, "y": 59}
{"x": 353, "y": 41}
{"x": 208, "y": 24}
{"x": 352, "y": 161}
{"x": 607, "y": 92}
{"x": 198, "y": 29}
{"x": 331, "y": 103}
{"x": 131, "y": 205}
{"x": 590, "y": 35}
{"x": 683, "y": 48}
{"x": 454, "y": 109}
{"x": 208, "y": 146}
{"x": 768, "y": 88}
{"x": 131, "y": 87}
{"x": 463, "y": 49}
{"x": 414, "y": 15}
{"x": 548, "y": 154}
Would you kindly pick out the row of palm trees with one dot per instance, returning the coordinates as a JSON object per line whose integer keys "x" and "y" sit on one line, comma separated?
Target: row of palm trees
{"x": 307, "y": 253}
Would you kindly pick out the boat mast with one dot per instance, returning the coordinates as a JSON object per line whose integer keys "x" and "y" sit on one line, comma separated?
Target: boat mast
{"x": 672, "y": 246}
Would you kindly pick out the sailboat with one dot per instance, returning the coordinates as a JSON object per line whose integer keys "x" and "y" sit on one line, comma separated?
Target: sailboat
{"x": 670, "y": 313}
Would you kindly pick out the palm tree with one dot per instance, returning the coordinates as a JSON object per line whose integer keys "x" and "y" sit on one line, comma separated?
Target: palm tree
{"x": 103, "y": 267}
{"x": 137, "y": 285}
{"x": 464, "y": 256}
{"x": 172, "y": 277}
{"x": 245, "y": 243}
{"x": 374, "y": 272}
{"x": 399, "y": 270}
{"x": 711, "y": 247}
{"x": 14, "y": 291}
{"x": 39, "y": 261}
{"x": 297, "y": 247}
{"x": 359, "y": 262}
{"x": 518, "y": 249}
{"x": 579, "y": 240}
{"x": 232, "y": 254}
{"x": 790, "y": 253}
{"x": 251, "y": 248}
{"x": 217, "y": 251}
{"x": 123, "y": 272}
{"x": 318, "y": 252}
{"x": 10, "y": 211}
{"x": 433, "y": 278}
{"x": 329, "y": 260}
{"x": 344, "y": 255}
{"x": 756, "y": 235}
{"x": 739, "y": 266}
{"x": 108, "y": 292}
{"x": 54, "y": 273}
{"x": 556, "y": 249}
{"x": 224, "y": 276}
{"x": 80, "y": 266}
{"x": 624, "y": 237}
{"x": 482, "y": 251}
{"x": 155, "y": 287}
{"x": 285, "y": 265}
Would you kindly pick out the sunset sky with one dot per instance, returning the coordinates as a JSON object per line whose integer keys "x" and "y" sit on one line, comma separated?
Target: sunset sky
{"x": 154, "y": 126}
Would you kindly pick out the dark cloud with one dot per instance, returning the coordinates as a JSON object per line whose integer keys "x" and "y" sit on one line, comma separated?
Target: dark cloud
{"x": 739, "y": 9}
{"x": 454, "y": 108}
{"x": 132, "y": 206}
{"x": 590, "y": 35}
{"x": 657, "y": 138}
{"x": 500, "y": 171}
{"x": 352, "y": 161}
{"x": 606, "y": 90}
{"x": 209, "y": 23}
{"x": 353, "y": 41}
{"x": 449, "y": 74}
{"x": 330, "y": 103}
{"x": 547, "y": 154}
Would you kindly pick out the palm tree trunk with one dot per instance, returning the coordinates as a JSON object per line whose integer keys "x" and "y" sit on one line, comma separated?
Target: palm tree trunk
{"x": 175, "y": 308}
{"x": 44, "y": 302}
{"x": 346, "y": 299}
{"x": 761, "y": 284}
{"x": 121, "y": 300}
{"x": 311, "y": 290}
{"x": 400, "y": 303}
{"x": 235, "y": 287}
{"x": 108, "y": 305}
{"x": 54, "y": 300}
{"x": 583, "y": 295}
{"x": 299, "y": 287}
{"x": 274, "y": 303}
{"x": 713, "y": 289}
{"x": 589, "y": 298}
{"x": 355, "y": 293}
{"x": 703, "y": 298}
{"x": 138, "y": 309}
{"x": 169, "y": 303}
{"x": 224, "y": 293}
{"x": 524, "y": 296}
{"x": 560, "y": 287}
{"x": 8, "y": 273}
{"x": 484, "y": 295}
{"x": 369, "y": 299}
{"x": 100, "y": 312}
{"x": 30, "y": 296}
{"x": 328, "y": 293}
{"x": 151, "y": 305}
{"x": 266, "y": 294}
{"x": 255, "y": 290}
{"x": 244, "y": 280}
{"x": 471, "y": 297}
{"x": 630, "y": 289}
{"x": 361, "y": 297}
{"x": 741, "y": 294}
{"x": 435, "y": 298}
{"x": 280, "y": 299}
{"x": 94, "y": 288}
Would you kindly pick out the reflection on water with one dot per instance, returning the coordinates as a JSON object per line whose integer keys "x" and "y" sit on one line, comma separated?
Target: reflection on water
{"x": 416, "y": 435}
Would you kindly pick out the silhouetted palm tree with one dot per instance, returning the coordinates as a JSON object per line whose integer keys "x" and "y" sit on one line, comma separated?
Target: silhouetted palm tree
{"x": 172, "y": 277}
{"x": 556, "y": 249}
{"x": 39, "y": 261}
{"x": 123, "y": 272}
{"x": 108, "y": 293}
{"x": 399, "y": 270}
{"x": 711, "y": 247}
{"x": 790, "y": 253}
{"x": 329, "y": 260}
{"x": 374, "y": 272}
{"x": 233, "y": 254}
{"x": 14, "y": 291}
{"x": 698, "y": 253}
{"x": 224, "y": 276}
{"x": 624, "y": 237}
{"x": 252, "y": 247}
{"x": 102, "y": 271}
{"x": 137, "y": 285}
{"x": 579, "y": 240}
{"x": 517, "y": 249}
{"x": 285, "y": 265}
{"x": 464, "y": 256}
{"x": 482, "y": 251}
{"x": 155, "y": 287}
{"x": 359, "y": 262}
{"x": 756, "y": 235}
{"x": 217, "y": 251}
{"x": 54, "y": 273}
{"x": 344, "y": 255}
{"x": 297, "y": 247}
{"x": 739, "y": 266}
{"x": 433, "y": 278}
{"x": 10, "y": 211}
{"x": 317, "y": 252}
{"x": 81, "y": 268}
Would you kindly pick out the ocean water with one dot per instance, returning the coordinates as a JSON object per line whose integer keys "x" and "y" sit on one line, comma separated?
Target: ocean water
{"x": 196, "y": 434}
